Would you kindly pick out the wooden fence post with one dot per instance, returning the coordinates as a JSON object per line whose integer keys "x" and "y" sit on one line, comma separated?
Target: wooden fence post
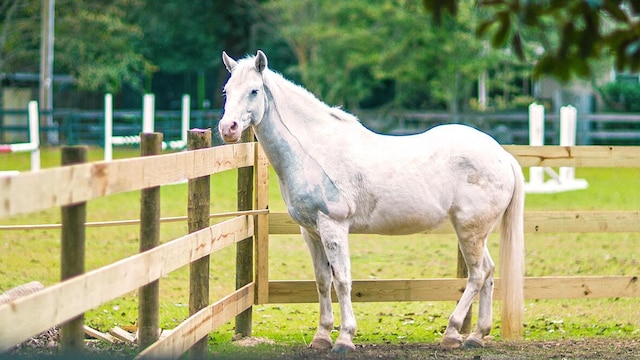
{"x": 244, "y": 248}
{"x": 73, "y": 252}
{"x": 262, "y": 226}
{"x": 198, "y": 218}
{"x": 149, "y": 295}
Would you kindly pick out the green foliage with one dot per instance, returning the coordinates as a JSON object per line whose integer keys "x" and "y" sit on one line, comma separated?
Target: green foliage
{"x": 92, "y": 42}
{"x": 95, "y": 45}
{"x": 347, "y": 50}
{"x": 587, "y": 30}
{"x": 18, "y": 43}
{"x": 622, "y": 96}
{"x": 179, "y": 37}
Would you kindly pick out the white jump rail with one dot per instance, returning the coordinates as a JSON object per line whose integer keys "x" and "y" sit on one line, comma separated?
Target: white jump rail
{"x": 32, "y": 146}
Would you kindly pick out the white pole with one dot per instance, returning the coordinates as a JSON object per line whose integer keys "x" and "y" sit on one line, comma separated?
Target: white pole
{"x": 47, "y": 39}
{"x": 186, "y": 116}
{"x": 148, "y": 114}
{"x": 34, "y": 135}
{"x": 108, "y": 127}
{"x": 482, "y": 90}
{"x": 536, "y": 138}
{"x": 568, "y": 115}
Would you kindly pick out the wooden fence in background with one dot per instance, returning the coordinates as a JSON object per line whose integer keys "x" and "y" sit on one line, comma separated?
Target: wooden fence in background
{"x": 74, "y": 184}
{"x": 551, "y": 287}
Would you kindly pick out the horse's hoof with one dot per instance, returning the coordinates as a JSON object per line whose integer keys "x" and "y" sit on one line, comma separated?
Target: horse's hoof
{"x": 320, "y": 343}
{"x": 473, "y": 343}
{"x": 343, "y": 347}
{"x": 451, "y": 343}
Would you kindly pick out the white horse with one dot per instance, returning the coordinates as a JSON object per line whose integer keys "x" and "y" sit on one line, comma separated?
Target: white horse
{"x": 337, "y": 177}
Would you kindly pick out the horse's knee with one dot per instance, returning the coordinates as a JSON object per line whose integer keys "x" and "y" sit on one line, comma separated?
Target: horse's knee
{"x": 342, "y": 287}
{"x": 475, "y": 282}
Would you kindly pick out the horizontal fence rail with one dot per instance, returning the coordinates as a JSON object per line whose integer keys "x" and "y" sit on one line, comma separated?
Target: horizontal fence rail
{"x": 53, "y": 305}
{"x": 548, "y": 287}
{"x": 576, "y": 156}
{"x": 534, "y": 222}
{"x": 200, "y": 324}
{"x": 35, "y": 191}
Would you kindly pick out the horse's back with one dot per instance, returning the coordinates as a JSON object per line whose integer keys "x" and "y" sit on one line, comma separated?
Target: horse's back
{"x": 449, "y": 171}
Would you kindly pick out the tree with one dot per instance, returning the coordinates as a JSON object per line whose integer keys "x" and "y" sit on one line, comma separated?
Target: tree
{"x": 19, "y": 44}
{"x": 95, "y": 44}
{"x": 586, "y": 31}
{"x": 350, "y": 51}
{"x": 92, "y": 41}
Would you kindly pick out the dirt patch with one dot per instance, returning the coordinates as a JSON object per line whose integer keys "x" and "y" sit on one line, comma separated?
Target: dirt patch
{"x": 573, "y": 349}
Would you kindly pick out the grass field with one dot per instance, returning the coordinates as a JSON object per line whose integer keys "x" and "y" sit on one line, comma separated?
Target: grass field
{"x": 34, "y": 255}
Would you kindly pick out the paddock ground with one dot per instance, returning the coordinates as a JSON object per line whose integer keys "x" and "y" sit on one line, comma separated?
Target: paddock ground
{"x": 591, "y": 348}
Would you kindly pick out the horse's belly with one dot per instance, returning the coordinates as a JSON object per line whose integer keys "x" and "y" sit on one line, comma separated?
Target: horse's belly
{"x": 400, "y": 223}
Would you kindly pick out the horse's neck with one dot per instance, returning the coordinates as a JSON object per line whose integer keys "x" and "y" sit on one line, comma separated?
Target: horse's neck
{"x": 292, "y": 125}
{"x": 282, "y": 142}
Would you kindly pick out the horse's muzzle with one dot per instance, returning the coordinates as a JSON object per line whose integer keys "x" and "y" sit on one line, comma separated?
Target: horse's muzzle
{"x": 229, "y": 131}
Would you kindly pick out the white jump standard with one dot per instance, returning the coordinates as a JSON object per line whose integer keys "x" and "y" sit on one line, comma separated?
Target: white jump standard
{"x": 564, "y": 180}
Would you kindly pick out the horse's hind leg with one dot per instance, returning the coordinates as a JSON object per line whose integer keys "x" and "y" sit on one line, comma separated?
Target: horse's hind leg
{"x": 322, "y": 268}
{"x": 472, "y": 247}
{"x": 483, "y": 326}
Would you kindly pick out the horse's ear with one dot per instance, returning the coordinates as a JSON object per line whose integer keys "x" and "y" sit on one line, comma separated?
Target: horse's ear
{"x": 261, "y": 61}
{"x": 229, "y": 63}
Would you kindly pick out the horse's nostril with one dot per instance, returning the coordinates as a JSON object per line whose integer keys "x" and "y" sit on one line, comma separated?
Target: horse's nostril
{"x": 234, "y": 126}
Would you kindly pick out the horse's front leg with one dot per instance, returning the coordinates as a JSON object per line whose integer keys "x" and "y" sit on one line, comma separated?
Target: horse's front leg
{"x": 335, "y": 239}
{"x": 322, "y": 339}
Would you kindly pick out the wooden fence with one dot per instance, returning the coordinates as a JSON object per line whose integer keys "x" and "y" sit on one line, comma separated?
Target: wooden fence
{"x": 76, "y": 184}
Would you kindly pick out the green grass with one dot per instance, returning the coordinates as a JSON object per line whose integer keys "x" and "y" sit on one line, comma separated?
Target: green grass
{"x": 34, "y": 255}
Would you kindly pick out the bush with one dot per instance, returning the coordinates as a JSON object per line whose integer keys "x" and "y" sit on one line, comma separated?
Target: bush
{"x": 621, "y": 96}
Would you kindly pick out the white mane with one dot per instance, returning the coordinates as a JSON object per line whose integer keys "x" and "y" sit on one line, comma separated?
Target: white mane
{"x": 281, "y": 88}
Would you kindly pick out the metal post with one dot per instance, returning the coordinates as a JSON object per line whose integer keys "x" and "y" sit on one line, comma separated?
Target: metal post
{"x": 46, "y": 66}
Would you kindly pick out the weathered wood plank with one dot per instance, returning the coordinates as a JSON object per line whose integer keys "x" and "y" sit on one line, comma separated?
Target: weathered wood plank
{"x": 34, "y": 191}
{"x": 552, "y": 287}
{"x": 581, "y": 287}
{"x": 28, "y": 316}
{"x": 199, "y": 201}
{"x": 245, "y": 249}
{"x": 200, "y": 324}
{"x": 576, "y": 156}
{"x": 149, "y": 294}
{"x": 534, "y": 222}
{"x": 72, "y": 249}
{"x": 582, "y": 221}
{"x": 262, "y": 224}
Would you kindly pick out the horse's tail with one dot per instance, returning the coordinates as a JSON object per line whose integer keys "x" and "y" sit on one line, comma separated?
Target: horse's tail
{"x": 512, "y": 260}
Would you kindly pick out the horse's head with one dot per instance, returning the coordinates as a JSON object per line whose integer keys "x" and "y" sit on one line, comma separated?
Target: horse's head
{"x": 245, "y": 102}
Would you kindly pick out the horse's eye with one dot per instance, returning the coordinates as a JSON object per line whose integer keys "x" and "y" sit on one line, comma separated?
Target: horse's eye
{"x": 254, "y": 92}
